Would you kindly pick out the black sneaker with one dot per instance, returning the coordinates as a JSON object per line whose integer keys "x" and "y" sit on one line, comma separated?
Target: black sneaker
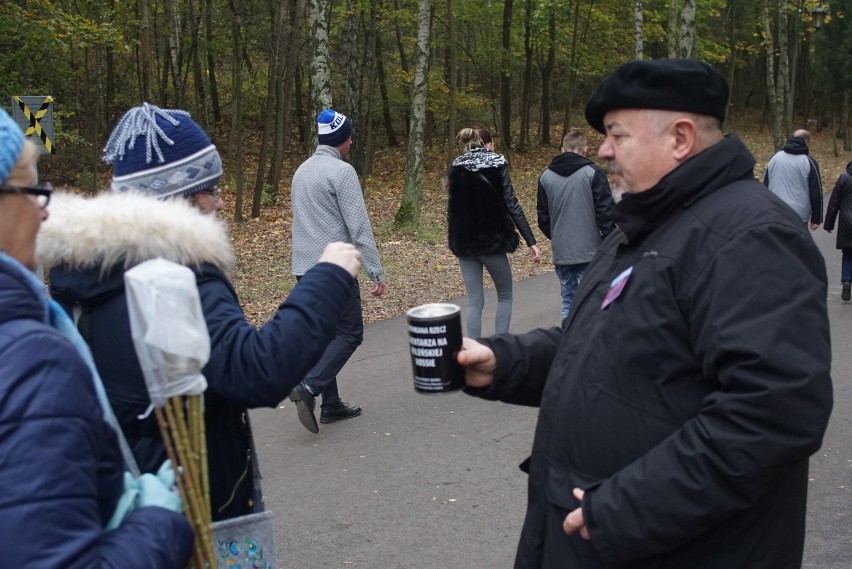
{"x": 846, "y": 294}
{"x": 305, "y": 404}
{"x": 338, "y": 413}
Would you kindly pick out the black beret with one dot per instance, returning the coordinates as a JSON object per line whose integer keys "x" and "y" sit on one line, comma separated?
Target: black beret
{"x": 667, "y": 84}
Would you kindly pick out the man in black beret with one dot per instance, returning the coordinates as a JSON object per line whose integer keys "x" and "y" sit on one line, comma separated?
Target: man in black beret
{"x": 682, "y": 397}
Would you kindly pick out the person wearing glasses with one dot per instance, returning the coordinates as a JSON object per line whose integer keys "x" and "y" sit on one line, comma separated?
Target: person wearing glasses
{"x": 61, "y": 470}
{"x": 91, "y": 242}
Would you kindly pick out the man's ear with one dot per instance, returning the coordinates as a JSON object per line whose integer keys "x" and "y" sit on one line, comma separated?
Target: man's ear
{"x": 684, "y": 132}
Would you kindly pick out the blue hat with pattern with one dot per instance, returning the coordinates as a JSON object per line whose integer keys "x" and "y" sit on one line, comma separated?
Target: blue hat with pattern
{"x": 11, "y": 143}
{"x": 162, "y": 152}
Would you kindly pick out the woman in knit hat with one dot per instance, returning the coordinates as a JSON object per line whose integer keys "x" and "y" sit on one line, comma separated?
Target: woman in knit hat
{"x": 62, "y": 470}
{"x": 91, "y": 242}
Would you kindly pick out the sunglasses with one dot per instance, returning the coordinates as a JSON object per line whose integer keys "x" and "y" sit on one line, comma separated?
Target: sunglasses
{"x": 41, "y": 193}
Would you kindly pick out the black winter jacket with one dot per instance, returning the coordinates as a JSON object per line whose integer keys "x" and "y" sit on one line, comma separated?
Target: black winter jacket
{"x": 687, "y": 401}
{"x": 90, "y": 243}
{"x": 840, "y": 203}
{"x": 482, "y": 210}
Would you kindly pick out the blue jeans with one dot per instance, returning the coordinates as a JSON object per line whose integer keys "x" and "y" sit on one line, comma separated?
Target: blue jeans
{"x": 569, "y": 278}
{"x": 846, "y": 265}
{"x": 322, "y": 379}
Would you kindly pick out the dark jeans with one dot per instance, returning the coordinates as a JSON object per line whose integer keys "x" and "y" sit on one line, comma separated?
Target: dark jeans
{"x": 322, "y": 379}
{"x": 846, "y": 265}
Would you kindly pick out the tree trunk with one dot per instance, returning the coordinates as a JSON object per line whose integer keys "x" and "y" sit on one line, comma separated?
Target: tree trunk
{"x": 403, "y": 60}
{"x": 547, "y": 80}
{"x": 320, "y": 72}
{"x": 527, "y": 80}
{"x": 290, "y": 81}
{"x": 372, "y": 72}
{"x": 783, "y": 81}
{"x": 276, "y": 58}
{"x": 672, "y": 31}
{"x": 638, "y": 31}
{"x": 211, "y": 63}
{"x": 237, "y": 130}
{"x": 412, "y": 193}
{"x": 776, "y": 107}
{"x": 452, "y": 63}
{"x": 197, "y": 73}
{"x": 686, "y": 42}
{"x": 354, "y": 61}
{"x": 144, "y": 59}
{"x": 383, "y": 89}
{"x": 844, "y": 121}
{"x": 175, "y": 52}
{"x": 506, "y": 78}
{"x": 795, "y": 46}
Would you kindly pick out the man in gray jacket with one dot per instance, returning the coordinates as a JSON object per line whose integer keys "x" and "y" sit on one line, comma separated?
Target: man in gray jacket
{"x": 328, "y": 205}
{"x": 574, "y": 206}
{"x": 793, "y": 176}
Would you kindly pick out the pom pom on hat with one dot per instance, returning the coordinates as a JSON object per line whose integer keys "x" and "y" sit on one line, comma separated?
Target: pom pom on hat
{"x": 11, "y": 143}
{"x": 333, "y": 128}
{"x": 667, "y": 84}
{"x": 162, "y": 152}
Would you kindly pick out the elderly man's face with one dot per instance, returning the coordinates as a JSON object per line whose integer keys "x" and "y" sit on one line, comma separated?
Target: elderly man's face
{"x": 637, "y": 154}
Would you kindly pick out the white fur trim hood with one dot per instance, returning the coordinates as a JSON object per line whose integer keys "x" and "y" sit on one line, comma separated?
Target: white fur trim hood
{"x": 129, "y": 228}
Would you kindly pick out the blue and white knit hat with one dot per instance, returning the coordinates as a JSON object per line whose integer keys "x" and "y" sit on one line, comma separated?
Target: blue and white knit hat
{"x": 333, "y": 128}
{"x": 11, "y": 143}
{"x": 162, "y": 152}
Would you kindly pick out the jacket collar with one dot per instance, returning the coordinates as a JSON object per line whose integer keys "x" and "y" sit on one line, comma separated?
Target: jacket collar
{"x": 126, "y": 229}
{"x": 721, "y": 164}
{"x": 796, "y": 145}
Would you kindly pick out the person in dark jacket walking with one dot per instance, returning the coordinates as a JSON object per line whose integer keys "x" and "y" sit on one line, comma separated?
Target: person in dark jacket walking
{"x": 683, "y": 395}
{"x": 482, "y": 213}
{"x": 574, "y": 206}
{"x": 61, "y": 470}
{"x": 91, "y": 242}
{"x": 793, "y": 175}
{"x": 840, "y": 203}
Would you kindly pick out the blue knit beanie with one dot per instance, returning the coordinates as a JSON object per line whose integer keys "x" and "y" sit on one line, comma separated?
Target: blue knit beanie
{"x": 333, "y": 128}
{"x": 11, "y": 143}
{"x": 162, "y": 152}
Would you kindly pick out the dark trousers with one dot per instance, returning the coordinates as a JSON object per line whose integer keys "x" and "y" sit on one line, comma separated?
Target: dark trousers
{"x": 322, "y": 379}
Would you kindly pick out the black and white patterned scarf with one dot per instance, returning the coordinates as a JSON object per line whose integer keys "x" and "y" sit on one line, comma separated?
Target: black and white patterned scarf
{"x": 479, "y": 158}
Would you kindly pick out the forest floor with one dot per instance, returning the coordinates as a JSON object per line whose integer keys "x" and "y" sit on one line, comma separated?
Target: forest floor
{"x": 418, "y": 266}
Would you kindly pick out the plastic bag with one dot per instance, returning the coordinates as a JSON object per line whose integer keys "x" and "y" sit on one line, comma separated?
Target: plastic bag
{"x": 168, "y": 327}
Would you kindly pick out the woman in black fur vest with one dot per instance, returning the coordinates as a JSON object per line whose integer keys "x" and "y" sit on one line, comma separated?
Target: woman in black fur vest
{"x": 482, "y": 213}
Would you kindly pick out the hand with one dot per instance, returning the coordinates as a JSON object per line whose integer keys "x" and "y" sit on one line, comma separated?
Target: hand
{"x": 814, "y": 226}
{"x": 343, "y": 255}
{"x": 574, "y": 520}
{"x": 479, "y": 363}
{"x": 536, "y": 254}
{"x": 378, "y": 289}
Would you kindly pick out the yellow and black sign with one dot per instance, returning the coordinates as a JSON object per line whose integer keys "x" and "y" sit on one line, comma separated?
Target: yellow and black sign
{"x": 35, "y": 117}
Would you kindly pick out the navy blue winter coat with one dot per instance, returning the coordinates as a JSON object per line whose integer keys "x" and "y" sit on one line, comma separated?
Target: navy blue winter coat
{"x": 60, "y": 464}
{"x": 90, "y": 242}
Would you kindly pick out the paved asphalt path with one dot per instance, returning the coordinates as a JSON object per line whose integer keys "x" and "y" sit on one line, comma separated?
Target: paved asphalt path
{"x": 431, "y": 481}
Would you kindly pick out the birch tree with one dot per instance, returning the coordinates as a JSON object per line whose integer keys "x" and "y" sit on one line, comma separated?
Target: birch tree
{"x": 776, "y": 104}
{"x": 412, "y": 193}
{"x": 320, "y": 72}
{"x": 638, "y": 33}
{"x": 686, "y": 40}
{"x": 672, "y": 31}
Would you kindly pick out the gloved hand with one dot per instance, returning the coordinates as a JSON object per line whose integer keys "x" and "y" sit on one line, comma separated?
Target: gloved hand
{"x": 147, "y": 490}
{"x": 160, "y": 490}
